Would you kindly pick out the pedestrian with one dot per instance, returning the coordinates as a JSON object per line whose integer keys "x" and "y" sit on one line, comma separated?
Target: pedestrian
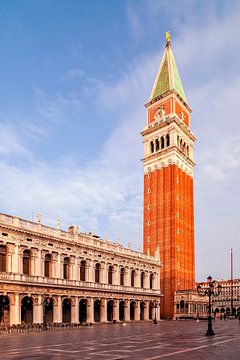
{"x": 220, "y": 316}
{"x": 225, "y": 316}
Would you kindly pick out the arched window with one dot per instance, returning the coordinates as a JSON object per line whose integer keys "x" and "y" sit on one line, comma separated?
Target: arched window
{"x": 142, "y": 279}
{"x": 3, "y": 257}
{"x": 132, "y": 277}
{"x": 152, "y": 146}
{"x": 182, "y": 304}
{"x": 157, "y": 144}
{"x": 167, "y": 140}
{"x": 188, "y": 150}
{"x": 162, "y": 142}
{"x": 122, "y": 276}
{"x": 151, "y": 281}
{"x": 181, "y": 144}
{"x": 47, "y": 265}
{"x": 66, "y": 263}
{"x": 178, "y": 140}
{"x": 26, "y": 262}
{"x": 83, "y": 270}
{"x": 110, "y": 271}
{"x": 97, "y": 273}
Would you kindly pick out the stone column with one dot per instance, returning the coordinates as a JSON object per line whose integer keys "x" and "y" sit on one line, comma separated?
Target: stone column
{"x": 57, "y": 309}
{"x": 103, "y": 310}
{"x": 103, "y": 278}
{"x": 116, "y": 309}
{"x": 147, "y": 281}
{"x": 15, "y": 310}
{"x": 137, "y": 281}
{"x": 54, "y": 266}
{"x": 91, "y": 271}
{"x": 59, "y": 269}
{"x": 76, "y": 269}
{"x": 16, "y": 259}
{"x": 37, "y": 310}
{"x": 75, "y": 311}
{"x": 146, "y": 310}
{"x": 127, "y": 310}
{"x": 117, "y": 276}
{"x": 90, "y": 311}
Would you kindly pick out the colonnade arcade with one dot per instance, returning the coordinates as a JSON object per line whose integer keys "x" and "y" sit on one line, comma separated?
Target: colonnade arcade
{"x": 28, "y": 308}
{"x": 68, "y": 267}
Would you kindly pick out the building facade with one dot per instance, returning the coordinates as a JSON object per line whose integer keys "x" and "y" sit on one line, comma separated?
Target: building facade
{"x": 188, "y": 304}
{"x": 50, "y": 275}
{"x": 168, "y": 182}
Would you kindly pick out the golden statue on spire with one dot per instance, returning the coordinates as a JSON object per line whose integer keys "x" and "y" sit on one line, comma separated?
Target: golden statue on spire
{"x": 168, "y": 37}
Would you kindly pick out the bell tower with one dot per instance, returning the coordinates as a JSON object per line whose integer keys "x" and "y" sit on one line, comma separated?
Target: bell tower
{"x": 168, "y": 182}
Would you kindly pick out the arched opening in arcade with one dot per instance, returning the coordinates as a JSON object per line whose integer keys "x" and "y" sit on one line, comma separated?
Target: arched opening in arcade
{"x": 3, "y": 258}
{"x": 83, "y": 270}
{"x": 132, "y": 310}
{"x": 110, "y": 273}
{"x": 4, "y": 309}
{"x": 151, "y": 281}
{"x": 97, "y": 310}
{"x": 142, "y": 279}
{"x": 228, "y": 311}
{"x": 48, "y": 310}
{"x": 97, "y": 272}
{"x": 122, "y": 275}
{"x": 151, "y": 307}
{"x": 222, "y": 310}
{"x": 132, "y": 277}
{"x": 66, "y": 268}
{"x": 66, "y": 311}
{"x": 47, "y": 265}
{"x": 121, "y": 310}
{"x": 110, "y": 310}
{"x": 234, "y": 311}
{"x": 142, "y": 310}
{"x": 27, "y": 262}
{"x": 238, "y": 311}
{"x": 27, "y": 310}
{"x": 83, "y": 311}
{"x": 182, "y": 306}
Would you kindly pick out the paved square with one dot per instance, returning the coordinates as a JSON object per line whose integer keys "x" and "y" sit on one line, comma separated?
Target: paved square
{"x": 170, "y": 340}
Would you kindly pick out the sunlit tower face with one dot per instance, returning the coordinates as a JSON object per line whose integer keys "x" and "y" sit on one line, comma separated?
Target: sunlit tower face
{"x": 168, "y": 181}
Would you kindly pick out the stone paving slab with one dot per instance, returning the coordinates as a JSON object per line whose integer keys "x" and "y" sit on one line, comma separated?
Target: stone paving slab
{"x": 180, "y": 340}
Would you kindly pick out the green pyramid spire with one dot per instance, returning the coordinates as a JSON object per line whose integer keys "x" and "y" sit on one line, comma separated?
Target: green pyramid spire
{"x": 168, "y": 76}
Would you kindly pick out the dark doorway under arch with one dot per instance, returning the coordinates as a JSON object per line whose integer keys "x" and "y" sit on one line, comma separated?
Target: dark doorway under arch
{"x": 110, "y": 310}
{"x": 4, "y": 310}
{"x": 97, "y": 310}
{"x": 142, "y": 310}
{"x": 83, "y": 311}
{"x": 48, "y": 310}
{"x": 132, "y": 310}
{"x": 121, "y": 310}
{"x": 27, "y": 310}
{"x": 66, "y": 311}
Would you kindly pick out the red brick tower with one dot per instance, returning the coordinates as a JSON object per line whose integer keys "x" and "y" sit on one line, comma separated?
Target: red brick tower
{"x": 168, "y": 182}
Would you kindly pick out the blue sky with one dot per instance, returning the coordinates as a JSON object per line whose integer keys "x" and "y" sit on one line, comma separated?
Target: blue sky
{"x": 74, "y": 77}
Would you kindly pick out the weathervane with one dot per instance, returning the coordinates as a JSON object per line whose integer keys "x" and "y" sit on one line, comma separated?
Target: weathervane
{"x": 168, "y": 37}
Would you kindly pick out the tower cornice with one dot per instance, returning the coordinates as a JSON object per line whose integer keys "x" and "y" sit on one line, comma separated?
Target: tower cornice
{"x": 167, "y": 121}
{"x": 164, "y": 95}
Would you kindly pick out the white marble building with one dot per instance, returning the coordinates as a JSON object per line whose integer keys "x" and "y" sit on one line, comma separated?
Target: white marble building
{"x": 50, "y": 275}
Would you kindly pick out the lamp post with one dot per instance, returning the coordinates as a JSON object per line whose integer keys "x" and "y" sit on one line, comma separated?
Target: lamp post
{"x": 155, "y": 317}
{"x": 212, "y": 290}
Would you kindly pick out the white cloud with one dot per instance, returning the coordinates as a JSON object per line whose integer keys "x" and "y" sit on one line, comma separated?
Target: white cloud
{"x": 72, "y": 74}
